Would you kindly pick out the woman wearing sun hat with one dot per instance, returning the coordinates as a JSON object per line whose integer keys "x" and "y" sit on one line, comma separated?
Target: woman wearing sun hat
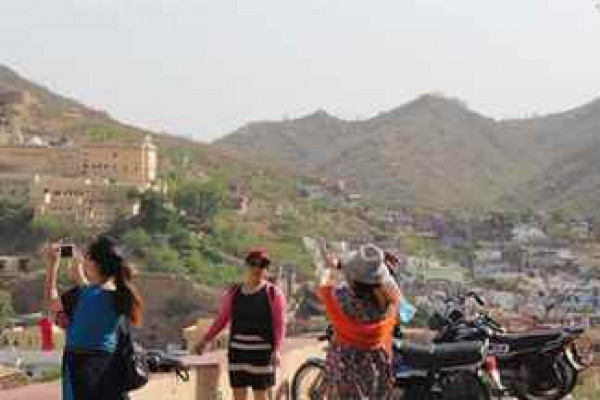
{"x": 363, "y": 316}
{"x": 255, "y": 311}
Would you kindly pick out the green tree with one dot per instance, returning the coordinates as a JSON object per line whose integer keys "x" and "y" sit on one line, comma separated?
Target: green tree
{"x": 201, "y": 201}
{"x": 163, "y": 259}
{"x": 15, "y": 230}
{"x": 416, "y": 245}
{"x": 138, "y": 241}
{"x": 14, "y": 216}
{"x": 155, "y": 215}
{"x": 51, "y": 228}
{"x": 194, "y": 263}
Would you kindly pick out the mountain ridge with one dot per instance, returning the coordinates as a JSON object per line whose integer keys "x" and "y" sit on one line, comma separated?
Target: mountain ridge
{"x": 433, "y": 151}
{"x": 449, "y": 155}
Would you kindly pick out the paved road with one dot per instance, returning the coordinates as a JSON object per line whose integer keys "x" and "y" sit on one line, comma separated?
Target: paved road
{"x": 44, "y": 391}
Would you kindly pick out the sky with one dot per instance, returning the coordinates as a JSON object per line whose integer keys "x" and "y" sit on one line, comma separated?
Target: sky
{"x": 203, "y": 68}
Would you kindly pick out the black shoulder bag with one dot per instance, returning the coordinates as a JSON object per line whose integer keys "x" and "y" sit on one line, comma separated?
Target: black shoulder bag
{"x": 133, "y": 358}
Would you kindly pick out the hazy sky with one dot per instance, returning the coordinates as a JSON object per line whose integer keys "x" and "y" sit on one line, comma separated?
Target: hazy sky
{"x": 206, "y": 67}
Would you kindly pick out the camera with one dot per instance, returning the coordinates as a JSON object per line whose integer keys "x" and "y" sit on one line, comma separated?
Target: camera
{"x": 67, "y": 250}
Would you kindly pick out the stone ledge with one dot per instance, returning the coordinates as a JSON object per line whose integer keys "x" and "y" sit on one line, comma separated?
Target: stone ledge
{"x": 208, "y": 378}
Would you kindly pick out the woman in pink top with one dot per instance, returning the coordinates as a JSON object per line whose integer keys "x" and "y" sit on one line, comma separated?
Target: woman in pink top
{"x": 255, "y": 310}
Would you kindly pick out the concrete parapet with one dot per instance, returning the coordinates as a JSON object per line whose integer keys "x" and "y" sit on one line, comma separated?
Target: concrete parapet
{"x": 208, "y": 378}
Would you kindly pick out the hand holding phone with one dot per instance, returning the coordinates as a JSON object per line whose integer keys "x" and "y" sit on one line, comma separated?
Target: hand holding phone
{"x": 67, "y": 250}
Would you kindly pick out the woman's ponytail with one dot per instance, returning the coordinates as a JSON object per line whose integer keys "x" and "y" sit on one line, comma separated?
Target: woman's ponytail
{"x": 129, "y": 301}
{"x": 107, "y": 255}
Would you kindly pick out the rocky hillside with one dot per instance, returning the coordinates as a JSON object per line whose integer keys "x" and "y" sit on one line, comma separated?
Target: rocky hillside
{"x": 276, "y": 216}
{"x": 434, "y": 151}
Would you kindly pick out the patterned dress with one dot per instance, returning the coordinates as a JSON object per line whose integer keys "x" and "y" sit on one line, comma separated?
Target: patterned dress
{"x": 354, "y": 374}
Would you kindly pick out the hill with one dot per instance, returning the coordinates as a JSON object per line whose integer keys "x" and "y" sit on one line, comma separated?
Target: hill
{"x": 436, "y": 152}
{"x": 276, "y": 216}
{"x": 568, "y": 145}
{"x": 432, "y": 151}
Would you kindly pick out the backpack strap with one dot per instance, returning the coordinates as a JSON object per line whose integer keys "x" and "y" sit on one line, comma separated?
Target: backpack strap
{"x": 271, "y": 292}
{"x": 233, "y": 289}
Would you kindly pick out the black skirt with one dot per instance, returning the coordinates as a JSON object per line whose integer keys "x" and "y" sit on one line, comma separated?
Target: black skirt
{"x": 92, "y": 375}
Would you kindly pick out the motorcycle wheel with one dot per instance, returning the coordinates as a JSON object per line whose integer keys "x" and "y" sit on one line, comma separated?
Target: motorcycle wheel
{"x": 309, "y": 381}
{"x": 570, "y": 378}
{"x": 415, "y": 391}
{"x": 457, "y": 386}
{"x": 562, "y": 381}
{"x": 465, "y": 386}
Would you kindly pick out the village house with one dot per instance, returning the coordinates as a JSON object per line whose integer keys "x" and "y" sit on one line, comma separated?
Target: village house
{"x": 12, "y": 266}
{"x": 494, "y": 260}
{"x": 311, "y": 191}
{"x": 15, "y": 187}
{"x": 581, "y": 228}
{"x": 496, "y": 270}
{"x": 503, "y": 299}
{"x": 525, "y": 233}
{"x": 548, "y": 254}
{"x": 581, "y": 301}
{"x": 433, "y": 269}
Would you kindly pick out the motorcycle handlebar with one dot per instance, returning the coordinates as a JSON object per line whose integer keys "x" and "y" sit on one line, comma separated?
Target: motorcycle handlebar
{"x": 477, "y": 298}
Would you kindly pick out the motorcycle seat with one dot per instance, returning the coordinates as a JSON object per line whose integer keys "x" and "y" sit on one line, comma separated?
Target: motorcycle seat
{"x": 440, "y": 356}
{"x": 528, "y": 340}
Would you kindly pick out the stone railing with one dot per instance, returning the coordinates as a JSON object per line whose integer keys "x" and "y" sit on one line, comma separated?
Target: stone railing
{"x": 208, "y": 378}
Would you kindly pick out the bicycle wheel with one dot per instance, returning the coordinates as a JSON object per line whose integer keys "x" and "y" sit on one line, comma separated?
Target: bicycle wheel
{"x": 309, "y": 381}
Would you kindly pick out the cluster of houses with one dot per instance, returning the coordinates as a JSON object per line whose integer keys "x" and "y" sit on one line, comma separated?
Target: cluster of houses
{"x": 521, "y": 267}
{"x": 338, "y": 193}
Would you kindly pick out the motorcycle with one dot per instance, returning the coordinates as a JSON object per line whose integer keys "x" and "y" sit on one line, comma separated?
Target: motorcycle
{"x": 450, "y": 371}
{"x": 535, "y": 365}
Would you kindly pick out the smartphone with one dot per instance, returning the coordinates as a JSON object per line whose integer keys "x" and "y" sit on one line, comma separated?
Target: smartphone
{"x": 67, "y": 250}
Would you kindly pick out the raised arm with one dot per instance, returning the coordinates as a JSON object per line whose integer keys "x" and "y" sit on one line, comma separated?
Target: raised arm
{"x": 329, "y": 276}
{"x": 51, "y": 255}
{"x": 76, "y": 270}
